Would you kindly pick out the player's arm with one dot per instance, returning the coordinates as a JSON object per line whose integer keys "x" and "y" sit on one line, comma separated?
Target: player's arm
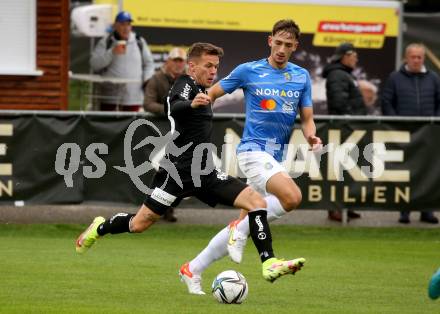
{"x": 306, "y": 113}
{"x": 180, "y": 106}
{"x": 234, "y": 80}
{"x": 309, "y": 128}
{"x": 180, "y": 97}
{"x": 184, "y": 97}
{"x": 216, "y": 91}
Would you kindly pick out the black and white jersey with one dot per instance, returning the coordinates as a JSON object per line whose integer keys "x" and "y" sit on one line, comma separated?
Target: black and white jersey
{"x": 193, "y": 124}
{"x": 195, "y": 127}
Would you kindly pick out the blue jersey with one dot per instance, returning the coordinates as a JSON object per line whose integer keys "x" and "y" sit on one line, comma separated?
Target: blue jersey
{"x": 272, "y": 98}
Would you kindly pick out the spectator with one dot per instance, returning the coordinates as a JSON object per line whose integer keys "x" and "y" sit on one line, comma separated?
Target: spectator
{"x": 413, "y": 90}
{"x": 122, "y": 54}
{"x": 369, "y": 95}
{"x": 161, "y": 82}
{"x": 343, "y": 95}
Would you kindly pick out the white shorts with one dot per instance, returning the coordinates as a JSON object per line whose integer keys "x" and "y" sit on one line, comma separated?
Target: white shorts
{"x": 258, "y": 167}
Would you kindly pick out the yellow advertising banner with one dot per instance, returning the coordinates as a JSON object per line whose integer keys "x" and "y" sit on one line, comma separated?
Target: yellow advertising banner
{"x": 114, "y": 2}
{"x": 365, "y": 26}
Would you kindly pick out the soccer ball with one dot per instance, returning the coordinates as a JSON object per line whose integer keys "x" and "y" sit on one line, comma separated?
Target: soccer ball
{"x": 230, "y": 287}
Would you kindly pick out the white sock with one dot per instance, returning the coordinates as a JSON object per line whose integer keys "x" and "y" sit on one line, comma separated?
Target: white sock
{"x": 215, "y": 250}
{"x": 274, "y": 211}
{"x": 274, "y": 208}
{"x": 217, "y": 247}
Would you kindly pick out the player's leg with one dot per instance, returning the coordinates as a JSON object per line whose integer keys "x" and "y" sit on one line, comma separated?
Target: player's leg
{"x": 239, "y": 229}
{"x": 217, "y": 246}
{"x": 259, "y": 229}
{"x": 284, "y": 196}
{"x": 267, "y": 176}
{"x": 191, "y": 272}
{"x": 234, "y": 192}
{"x": 232, "y": 239}
{"x": 285, "y": 190}
{"x": 119, "y": 223}
{"x": 154, "y": 206}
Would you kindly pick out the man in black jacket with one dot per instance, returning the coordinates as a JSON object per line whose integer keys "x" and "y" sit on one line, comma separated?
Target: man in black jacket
{"x": 413, "y": 90}
{"x": 342, "y": 89}
{"x": 343, "y": 94}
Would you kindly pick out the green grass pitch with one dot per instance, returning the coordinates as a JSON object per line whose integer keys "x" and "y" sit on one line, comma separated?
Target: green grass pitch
{"x": 348, "y": 270}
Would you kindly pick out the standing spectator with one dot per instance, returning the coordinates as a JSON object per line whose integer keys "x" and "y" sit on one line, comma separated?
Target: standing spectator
{"x": 157, "y": 90}
{"x": 343, "y": 94}
{"x": 122, "y": 54}
{"x": 161, "y": 82}
{"x": 413, "y": 90}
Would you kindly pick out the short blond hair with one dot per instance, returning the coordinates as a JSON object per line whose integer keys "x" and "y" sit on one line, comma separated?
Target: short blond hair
{"x": 415, "y": 45}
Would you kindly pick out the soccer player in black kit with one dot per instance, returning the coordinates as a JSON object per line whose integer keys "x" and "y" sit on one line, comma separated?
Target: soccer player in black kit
{"x": 190, "y": 113}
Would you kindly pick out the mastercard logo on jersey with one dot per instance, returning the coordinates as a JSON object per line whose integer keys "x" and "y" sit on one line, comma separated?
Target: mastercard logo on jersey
{"x": 268, "y": 104}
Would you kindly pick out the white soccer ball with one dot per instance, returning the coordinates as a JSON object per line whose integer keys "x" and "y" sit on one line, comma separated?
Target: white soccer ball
{"x": 230, "y": 287}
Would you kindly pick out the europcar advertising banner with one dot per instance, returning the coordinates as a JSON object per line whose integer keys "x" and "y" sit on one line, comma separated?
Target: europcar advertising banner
{"x": 68, "y": 158}
{"x": 242, "y": 28}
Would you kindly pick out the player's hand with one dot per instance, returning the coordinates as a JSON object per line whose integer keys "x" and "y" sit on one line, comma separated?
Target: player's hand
{"x": 200, "y": 100}
{"x": 315, "y": 143}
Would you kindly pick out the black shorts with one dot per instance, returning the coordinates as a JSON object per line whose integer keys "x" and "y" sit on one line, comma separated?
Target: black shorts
{"x": 215, "y": 188}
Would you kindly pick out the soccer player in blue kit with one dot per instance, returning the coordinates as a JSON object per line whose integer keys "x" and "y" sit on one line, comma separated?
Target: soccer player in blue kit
{"x": 275, "y": 91}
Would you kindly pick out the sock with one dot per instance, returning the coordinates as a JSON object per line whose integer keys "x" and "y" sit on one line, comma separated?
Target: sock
{"x": 215, "y": 250}
{"x": 119, "y": 223}
{"x": 274, "y": 211}
{"x": 274, "y": 208}
{"x": 260, "y": 233}
{"x": 217, "y": 247}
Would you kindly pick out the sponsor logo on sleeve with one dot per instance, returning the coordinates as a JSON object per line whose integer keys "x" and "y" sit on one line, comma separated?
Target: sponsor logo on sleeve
{"x": 186, "y": 91}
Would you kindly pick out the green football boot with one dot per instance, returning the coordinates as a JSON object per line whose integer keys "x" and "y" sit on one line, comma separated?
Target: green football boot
{"x": 89, "y": 236}
{"x": 274, "y": 268}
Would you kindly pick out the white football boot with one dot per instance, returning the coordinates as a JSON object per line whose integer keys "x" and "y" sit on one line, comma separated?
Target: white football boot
{"x": 236, "y": 242}
{"x": 192, "y": 281}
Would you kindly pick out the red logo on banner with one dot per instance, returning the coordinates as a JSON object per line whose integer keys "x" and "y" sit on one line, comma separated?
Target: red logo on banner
{"x": 351, "y": 27}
